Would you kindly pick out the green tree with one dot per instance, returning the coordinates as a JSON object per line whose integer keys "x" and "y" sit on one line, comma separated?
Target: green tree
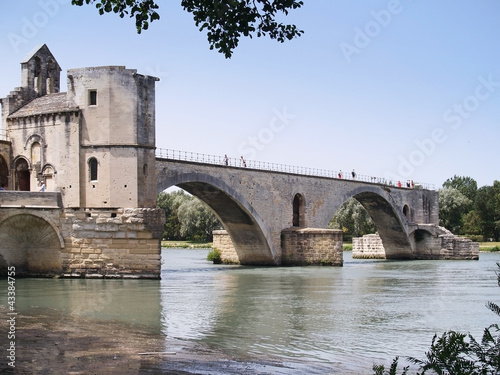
{"x": 472, "y": 223}
{"x": 170, "y": 203}
{"x": 225, "y": 21}
{"x": 466, "y": 185}
{"x": 488, "y": 208}
{"x": 353, "y": 219}
{"x": 197, "y": 221}
{"x": 453, "y": 206}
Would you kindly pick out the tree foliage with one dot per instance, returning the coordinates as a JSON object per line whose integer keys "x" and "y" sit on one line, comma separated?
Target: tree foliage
{"x": 353, "y": 219}
{"x": 225, "y": 21}
{"x": 488, "y": 207}
{"x": 466, "y": 185}
{"x": 197, "y": 220}
{"x": 465, "y": 209}
{"x": 453, "y": 206}
{"x": 187, "y": 218}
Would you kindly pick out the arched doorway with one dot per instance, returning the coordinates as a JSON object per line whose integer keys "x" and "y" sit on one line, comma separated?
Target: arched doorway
{"x": 22, "y": 175}
{"x": 298, "y": 211}
{"x": 4, "y": 172}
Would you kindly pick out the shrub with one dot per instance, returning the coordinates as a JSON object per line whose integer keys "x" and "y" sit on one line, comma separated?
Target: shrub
{"x": 214, "y": 255}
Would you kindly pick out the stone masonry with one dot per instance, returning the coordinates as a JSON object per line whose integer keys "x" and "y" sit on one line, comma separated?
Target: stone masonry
{"x": 117, "y": 243}
{"x": 311, "y": 246}
{"x": 222, "y": 242}
{"x": 368, "y": 247}
{"x": 91, "y": 150}
{"x": 431, "y": 243}
{"x": 300, "y": 247}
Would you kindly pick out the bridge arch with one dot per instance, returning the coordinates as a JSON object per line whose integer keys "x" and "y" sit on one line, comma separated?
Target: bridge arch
{"x": 250, "y": 236}
{"x": 390, "y": 220}
{"x": 31, "y": 244}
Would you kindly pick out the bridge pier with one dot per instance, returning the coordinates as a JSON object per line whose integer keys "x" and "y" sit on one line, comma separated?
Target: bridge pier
{"x": 299, "y": 247}
{"x": 430, "y": 242}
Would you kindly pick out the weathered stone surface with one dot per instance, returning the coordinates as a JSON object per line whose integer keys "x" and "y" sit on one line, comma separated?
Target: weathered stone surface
{"x": 312, "y": 246}
{"x": 431, "y": 242}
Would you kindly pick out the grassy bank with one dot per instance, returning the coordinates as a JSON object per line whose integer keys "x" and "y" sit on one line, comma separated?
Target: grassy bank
{"x": 187, "y": 244}
{"x": 489, "y": 246}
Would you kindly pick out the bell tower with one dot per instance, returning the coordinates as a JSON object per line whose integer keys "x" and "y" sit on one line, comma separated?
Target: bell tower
{"x": 41, "y": 72}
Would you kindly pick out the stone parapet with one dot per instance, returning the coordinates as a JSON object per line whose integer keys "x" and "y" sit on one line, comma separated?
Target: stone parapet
{"x": 311, "y": 246}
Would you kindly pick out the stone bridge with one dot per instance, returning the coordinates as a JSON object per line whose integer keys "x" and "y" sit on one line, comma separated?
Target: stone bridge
{"x": 257, "y": 206}
{"x": 82, "y": 171}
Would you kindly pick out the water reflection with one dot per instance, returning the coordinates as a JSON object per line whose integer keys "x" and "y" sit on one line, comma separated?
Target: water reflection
{"x": 135, "y": 302}
{"x": 370, "y": 309}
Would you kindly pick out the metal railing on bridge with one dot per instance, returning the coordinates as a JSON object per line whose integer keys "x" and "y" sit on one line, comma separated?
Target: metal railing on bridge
{"x": 276, "y": 167}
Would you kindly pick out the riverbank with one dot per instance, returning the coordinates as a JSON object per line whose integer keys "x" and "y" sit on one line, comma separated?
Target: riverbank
{"x": 208, "y": 245}
{"x": 186, "y": 245}
{"x": 489, "y": 246}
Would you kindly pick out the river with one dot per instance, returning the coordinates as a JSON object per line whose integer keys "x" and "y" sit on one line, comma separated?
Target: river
{"x": 349, "y": 317}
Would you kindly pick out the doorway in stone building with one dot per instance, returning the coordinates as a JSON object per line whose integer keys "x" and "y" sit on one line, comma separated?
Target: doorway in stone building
{"x": 4, "y": 172}
{"x": 22, "y": 175}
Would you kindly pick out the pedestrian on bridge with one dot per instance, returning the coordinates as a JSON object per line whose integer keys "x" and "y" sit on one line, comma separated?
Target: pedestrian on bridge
{"x": 243, "y": 162}
{"x": 226, "y": 159}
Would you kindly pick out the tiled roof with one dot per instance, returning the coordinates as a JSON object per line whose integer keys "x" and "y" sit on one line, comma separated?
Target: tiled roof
{"x": 51, "y": 103}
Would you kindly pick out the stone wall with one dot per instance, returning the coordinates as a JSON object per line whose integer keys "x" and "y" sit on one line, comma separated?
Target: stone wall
{"x": 222, "y": 242}
{"x": 112, "y": 243}
{"x": 368, "y": 247}
{"x": 430, "y": 242}
{"x": 440, "y": 243}
{"x": 311, "y": 246}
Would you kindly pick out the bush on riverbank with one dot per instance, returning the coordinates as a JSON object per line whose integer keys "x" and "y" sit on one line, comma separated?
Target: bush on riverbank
{"x": 214, "y": 256}
{"x": 455, "y": 353}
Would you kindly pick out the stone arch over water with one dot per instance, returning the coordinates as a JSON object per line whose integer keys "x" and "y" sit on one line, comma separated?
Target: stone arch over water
{"x": 389, "y": 220}
{"x": 30, "y": 244}
{"x": 248, "y": 233}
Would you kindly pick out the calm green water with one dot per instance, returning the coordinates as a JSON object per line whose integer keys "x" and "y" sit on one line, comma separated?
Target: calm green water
{"x": 368, "y": 311}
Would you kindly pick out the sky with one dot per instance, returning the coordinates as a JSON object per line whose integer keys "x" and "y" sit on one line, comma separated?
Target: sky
{"x": 398, "y": 89}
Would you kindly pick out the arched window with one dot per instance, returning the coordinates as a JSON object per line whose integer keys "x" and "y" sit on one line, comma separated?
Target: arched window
{"x": 93, "y": 169}
{"x": 36, "y": 75}
{"x": 35, "y": 153}
{"x": 406, "y": 211}
{"x": 298, "y": 210}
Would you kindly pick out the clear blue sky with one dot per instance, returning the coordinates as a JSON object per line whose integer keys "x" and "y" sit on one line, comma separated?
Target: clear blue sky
{"x": 397, "y": 89}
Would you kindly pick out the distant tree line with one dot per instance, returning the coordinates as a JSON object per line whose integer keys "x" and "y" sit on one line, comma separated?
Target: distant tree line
{"x": 466, "y": 210}
{"x": 187, "y": 218}
{"x": 463, "y": 209}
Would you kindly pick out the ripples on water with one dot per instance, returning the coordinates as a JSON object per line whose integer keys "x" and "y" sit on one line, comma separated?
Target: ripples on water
{"x": 368, "y": 311}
